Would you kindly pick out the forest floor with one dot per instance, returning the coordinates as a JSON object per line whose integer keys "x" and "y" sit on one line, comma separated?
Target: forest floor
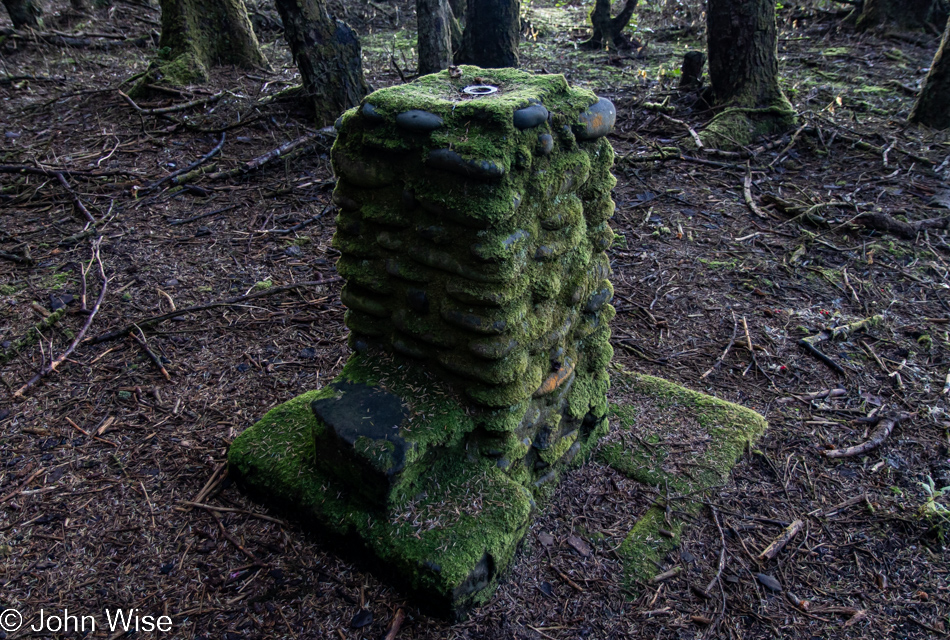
{"x": 100, "y": 460}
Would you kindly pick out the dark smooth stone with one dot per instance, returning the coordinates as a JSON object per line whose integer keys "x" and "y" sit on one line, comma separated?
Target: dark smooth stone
{"x": 60, "y": 300}
{"x": 418, "y": 121}
{"x": 344, "y": 202}
{"x": 362, "y": 619}
{"x": 338, "y": 123}
{"x": 362, "y": 427}
{"x": 769, "y": 582}
{"x": 546, "y": 143}
{"x": 598, "y": 300}
{"x": 493, "y": 348}
{"x": 449, "y": 160}
{"x": 474, "y": 323}
{"x": 597, "y": 121}
{"x": 407, "y": 348}
{"x": 417, "y": 300}
{"x": 371, "y": 114}
{"x": 530, "y": 116}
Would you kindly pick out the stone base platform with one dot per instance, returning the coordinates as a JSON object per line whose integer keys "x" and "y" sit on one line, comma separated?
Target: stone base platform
{"x": 447, "y": 538}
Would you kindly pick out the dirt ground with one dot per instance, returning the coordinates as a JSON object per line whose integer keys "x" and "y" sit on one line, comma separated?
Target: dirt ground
{"x": 102, "y": 459}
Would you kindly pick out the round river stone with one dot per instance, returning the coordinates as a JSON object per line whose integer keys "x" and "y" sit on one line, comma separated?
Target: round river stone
{"x": 530, "y": 116}
{"x": 419, "y": 121}
{"x": 597, "y": 121}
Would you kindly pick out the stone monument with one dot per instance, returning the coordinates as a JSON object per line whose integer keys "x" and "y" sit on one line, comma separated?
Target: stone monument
{"x": 473, "y": 225}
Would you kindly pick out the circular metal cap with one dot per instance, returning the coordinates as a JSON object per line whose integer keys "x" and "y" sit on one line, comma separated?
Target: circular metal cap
{"x": 480, "y": 90}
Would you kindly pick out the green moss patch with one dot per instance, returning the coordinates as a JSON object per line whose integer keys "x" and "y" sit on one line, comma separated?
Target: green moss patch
{"x": 679, "y": 441}
{"x": 448, "y": 545}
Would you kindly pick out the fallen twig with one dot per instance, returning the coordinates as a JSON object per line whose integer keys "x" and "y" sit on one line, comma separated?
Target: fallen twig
{"x": 151, "y": 354}
{"x": 184, "y": 170}
{"x": 145, "y": 322}
{"x": 207, "y": 214}
{"x": 271, "y": 155}
{"x": 747, "y": 195}
{"x": 75, "y": 198}
{"x": 299, "y": 225}
{"x": 174, "y": 108}
{"x": 23, "y": 485}
{"x": 32, "y": 335}
{"x": 732, "y": 341}
{"x": 877, "y": 437}
{"x": 816, "y": 395}
{"x": 396, "y": 625}
{"x": 779, "y": 543}
{"x": 51, "y": 367}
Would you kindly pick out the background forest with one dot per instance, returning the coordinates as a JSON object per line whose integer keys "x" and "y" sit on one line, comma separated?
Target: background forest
{"x": 167, "y": 275}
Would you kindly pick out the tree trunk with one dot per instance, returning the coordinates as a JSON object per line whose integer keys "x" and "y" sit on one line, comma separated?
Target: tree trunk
{"x": 459, "y": 7}
{"x": 328, "y": 54}
{"x": 492, "y": 32}
{"x": 933, "y": 104}
{"x": 200, "y": 34}
{"x": 607, "y": 31}
{"x": 743, "y": 69}
{"x": 435, "y": 35}
{"x": 906, "y": 14}
{"x": 24, "y": 13}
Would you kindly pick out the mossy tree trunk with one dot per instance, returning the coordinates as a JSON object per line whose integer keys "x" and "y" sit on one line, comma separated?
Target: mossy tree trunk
{"x": 492, "y": 33}
{"x": 743, "y": 70}
{"x": 906, "y": 14}
{"x": 434, "y": 18}
{"x": 933, "y": 103}
{"x": 24, "y": 13}
{"x": 607, "y": 31}
{"x": 200, "y": 34}
{"x": 328, "y": 54}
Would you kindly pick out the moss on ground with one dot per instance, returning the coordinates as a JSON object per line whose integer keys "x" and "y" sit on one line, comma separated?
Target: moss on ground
{"x": 726, "y": 430}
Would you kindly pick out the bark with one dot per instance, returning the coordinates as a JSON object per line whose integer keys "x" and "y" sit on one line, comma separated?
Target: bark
{"x": 328, "y": 54}
{"x": 458, "y": 7}
{"x": 906, "y": 14}
{"x": 24, "y": 13}
{"x": 743, "y": 70}
{"x": 200, "y": 34}
{"x": 933, "y": 103}
{"x": 607, "y": 31}
{"x": 692, "y": 69}
{"x": 492, "y": 33}
{"x": 435, "y": 35}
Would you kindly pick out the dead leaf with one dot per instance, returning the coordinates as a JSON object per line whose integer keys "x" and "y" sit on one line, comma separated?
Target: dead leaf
{"x": 579, "y": 545}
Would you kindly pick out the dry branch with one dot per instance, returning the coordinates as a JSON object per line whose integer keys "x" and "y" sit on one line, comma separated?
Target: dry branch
{"x": 145, "y": 322}
{"x": 877, "y": 437}
{"x": 779, "y": 543}
{"x": 51, "y": 367}
{"x": 171, "y": 177}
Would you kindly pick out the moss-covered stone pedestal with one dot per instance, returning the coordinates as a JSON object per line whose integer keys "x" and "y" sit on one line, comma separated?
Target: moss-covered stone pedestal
{"x": 472, "y": 232}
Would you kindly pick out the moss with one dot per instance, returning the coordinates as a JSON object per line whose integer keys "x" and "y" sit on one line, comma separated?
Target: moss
{"x": 736, "y": 127}
{"x": 432, "y": 545}
{"x": 7, "y": 290}
{"x": 730, "y": 429}
{"x": 32, "y": 335}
